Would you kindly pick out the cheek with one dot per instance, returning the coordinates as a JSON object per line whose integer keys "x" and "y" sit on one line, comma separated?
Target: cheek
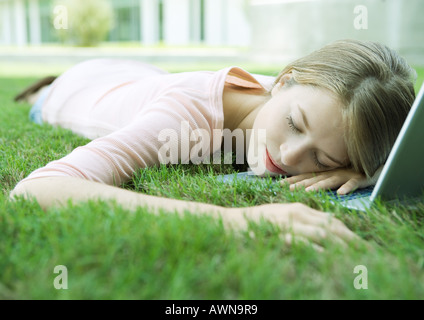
{"x": 277, "y": 131}
{"x": 270, "y": 118}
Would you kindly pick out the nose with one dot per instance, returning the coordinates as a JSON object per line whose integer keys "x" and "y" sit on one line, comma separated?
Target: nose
{"x": 292, "y": 153}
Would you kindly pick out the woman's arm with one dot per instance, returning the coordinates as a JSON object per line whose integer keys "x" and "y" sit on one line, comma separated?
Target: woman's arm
{"x": 295, "y": 218}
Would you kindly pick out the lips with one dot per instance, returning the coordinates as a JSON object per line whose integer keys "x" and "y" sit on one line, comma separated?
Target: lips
{"x": 271, "y": 165}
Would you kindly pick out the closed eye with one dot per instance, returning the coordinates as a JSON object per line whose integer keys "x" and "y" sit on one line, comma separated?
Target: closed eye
{"x": 319, "y": 164}
{"x": 296, "y": 130}
{"x": 292, "y": 125}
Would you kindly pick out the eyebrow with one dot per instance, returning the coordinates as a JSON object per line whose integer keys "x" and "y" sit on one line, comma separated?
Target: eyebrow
{"x": 305, "y": 121}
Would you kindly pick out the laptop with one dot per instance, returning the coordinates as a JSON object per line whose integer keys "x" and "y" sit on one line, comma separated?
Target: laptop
{"x": 402, "y": 178}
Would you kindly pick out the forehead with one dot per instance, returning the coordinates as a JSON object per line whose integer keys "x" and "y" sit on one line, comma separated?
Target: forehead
{"x": 316, "y": 97}
{"x": 319, "y": 105}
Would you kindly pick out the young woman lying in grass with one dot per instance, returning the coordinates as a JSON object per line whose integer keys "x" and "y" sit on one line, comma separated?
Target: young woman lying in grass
{"x": 328, "y": 120}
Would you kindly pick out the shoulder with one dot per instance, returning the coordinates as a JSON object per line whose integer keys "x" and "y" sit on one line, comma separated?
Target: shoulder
{"x": 239, "y": 77}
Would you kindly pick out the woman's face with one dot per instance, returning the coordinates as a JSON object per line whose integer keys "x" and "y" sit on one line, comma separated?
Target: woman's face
{"x": 299, "y": 130}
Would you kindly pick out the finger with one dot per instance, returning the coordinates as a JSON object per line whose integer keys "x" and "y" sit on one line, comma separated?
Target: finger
{"x": 349, "y": 186}
{"x": 294, "y": 179}
{"x": 316, "y": 234}
{"x": 309, "y": 223}
{"x": 327, "y": 183}
{"x": 339, "y": 229}
{"x": 289, "y": 239}
{"x": 352, "y": 185}
{"x": 308, "y": 183}
{"x": 322, "y": 221}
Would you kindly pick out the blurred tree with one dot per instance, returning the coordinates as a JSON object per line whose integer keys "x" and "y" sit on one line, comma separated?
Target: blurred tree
{"x": 83, "y": 22}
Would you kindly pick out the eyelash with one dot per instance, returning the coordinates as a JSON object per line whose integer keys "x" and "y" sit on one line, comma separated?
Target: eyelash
{"x": 296, "y": 130}
{"x": 317, "y": 163}
{"x": 292, "y": 125}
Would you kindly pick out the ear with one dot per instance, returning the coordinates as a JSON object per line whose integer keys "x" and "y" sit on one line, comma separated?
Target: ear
{"x": 286, "y": 78}
{"x": 283, "y": 80}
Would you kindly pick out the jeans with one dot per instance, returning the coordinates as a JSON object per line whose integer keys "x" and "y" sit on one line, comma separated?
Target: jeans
{"x": 35, "y": 114}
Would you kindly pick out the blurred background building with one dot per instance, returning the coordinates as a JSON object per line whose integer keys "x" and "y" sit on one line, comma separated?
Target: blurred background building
{"x": 270, "y": 30}
{"x": 149, "y": 22}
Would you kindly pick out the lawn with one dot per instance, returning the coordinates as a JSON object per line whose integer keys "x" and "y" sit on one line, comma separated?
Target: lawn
{"x": 110, "y": 253}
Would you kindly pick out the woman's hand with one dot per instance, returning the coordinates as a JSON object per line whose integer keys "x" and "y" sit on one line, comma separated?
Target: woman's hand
{"x": 297, "y": 221}
{"x": 345, "y": 180}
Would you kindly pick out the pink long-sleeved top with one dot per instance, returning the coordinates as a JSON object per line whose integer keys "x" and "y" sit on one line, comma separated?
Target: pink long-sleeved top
{"x": 127, "y": 107}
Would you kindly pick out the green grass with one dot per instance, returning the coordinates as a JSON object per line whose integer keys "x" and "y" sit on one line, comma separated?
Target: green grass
{"x": 114, "y": 254}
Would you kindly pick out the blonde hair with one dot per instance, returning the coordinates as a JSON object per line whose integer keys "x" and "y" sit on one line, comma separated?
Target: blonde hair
{"x": 376, "y": 88}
